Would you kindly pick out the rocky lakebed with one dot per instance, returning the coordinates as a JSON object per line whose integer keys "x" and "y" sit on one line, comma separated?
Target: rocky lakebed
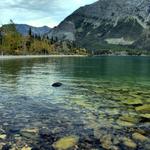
{"x": 81, "y": 114}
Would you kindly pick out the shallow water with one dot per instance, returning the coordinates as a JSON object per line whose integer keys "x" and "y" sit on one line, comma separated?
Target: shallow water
{"x": 99, "y": 102}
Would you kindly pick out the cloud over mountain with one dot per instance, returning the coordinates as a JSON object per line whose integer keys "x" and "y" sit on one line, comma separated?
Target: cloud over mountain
{"x": 38, "y": 12}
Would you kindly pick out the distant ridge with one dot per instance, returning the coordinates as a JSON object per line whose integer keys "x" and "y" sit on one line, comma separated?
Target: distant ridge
{"x": 24, "y": 29}
{"x": 108, "y": 24}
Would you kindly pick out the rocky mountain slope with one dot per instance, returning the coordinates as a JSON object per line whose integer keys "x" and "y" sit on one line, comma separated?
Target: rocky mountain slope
{"x": 24, "y": 29}
{"x": 108, "y": 24}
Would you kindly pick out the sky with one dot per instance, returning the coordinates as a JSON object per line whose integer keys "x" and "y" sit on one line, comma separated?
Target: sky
{"x": 38, "y": 12}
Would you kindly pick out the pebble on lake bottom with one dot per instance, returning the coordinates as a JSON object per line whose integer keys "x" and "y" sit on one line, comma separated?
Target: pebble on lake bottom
{"x": 2, "y": 136}
{"x": 139, "y": 137}
{"x": 66, "y": 143}
{"x": 26, "y": 147}
{"x": 129, "y": 143}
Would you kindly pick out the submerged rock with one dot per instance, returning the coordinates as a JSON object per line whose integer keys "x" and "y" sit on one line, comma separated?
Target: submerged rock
{"x": 133, "y": 102}
{"x": 26, "y": 148}
{"x": 106, "y": 142}
{"x": 30, "y": 133}
{"x": 2, "y": 136}
{"x": 117, "y": 89}
{"x": 139, "y": 137}
{"x": 31, "y": 130}
{"x": 129, "y": 143}
{"x": 99, "y": 91}
{"x": 124, "y": 123}
{"x": 57, "y": 84}
{"x": 46, "y": 135}
{"x": 143, "y": 109}
{"x": 1, "y": 145}
{"x": 66, "y": 143}
{"x": 129, "y": 118}
{"x": 145, "y": 116}
{"x": 82, "y": 103}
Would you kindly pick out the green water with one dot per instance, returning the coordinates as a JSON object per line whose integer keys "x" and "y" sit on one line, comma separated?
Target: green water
{"x": 99, "y": 102}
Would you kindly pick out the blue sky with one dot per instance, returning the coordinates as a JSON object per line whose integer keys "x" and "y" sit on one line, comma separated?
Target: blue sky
{"x": 38, "y": 12}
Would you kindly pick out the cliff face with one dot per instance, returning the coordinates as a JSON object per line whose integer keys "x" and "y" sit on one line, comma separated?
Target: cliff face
{"x": 108, "y": 23}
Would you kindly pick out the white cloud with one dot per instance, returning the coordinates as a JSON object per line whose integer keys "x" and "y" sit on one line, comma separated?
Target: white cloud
{"x": 38, "y": 12}
{"x": 83, "y": 2}
{"x": 43, "y": 21}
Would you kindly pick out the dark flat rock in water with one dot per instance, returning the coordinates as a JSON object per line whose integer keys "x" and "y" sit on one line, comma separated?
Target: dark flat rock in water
{"x": 57, "y": 84}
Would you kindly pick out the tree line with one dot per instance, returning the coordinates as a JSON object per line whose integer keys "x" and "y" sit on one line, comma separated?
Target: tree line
{"x": 13, "y": 43}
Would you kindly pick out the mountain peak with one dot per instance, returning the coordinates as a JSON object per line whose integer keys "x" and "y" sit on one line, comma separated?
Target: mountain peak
{"x": 106, "y": 23}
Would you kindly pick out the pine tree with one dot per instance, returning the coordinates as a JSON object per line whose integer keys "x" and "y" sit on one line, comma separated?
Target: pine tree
{"x": 30, "y": 32}
{"x": 1, "y": 37}
{"x": 47, "y": 37}
{"x": 12, "y": 26}
{"x": 56, "y": 39}
{"x": 52, "y": 40}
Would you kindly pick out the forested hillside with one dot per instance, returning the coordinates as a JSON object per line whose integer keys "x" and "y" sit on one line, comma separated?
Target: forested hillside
{"x": 13, "y": 43}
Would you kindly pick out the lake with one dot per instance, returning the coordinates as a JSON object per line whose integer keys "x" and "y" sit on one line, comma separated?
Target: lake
{"x": 103, "y": 103}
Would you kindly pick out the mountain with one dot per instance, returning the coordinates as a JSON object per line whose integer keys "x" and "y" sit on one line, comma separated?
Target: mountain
{"x": 24, "y": 29}
{"x": 108, "y": 24}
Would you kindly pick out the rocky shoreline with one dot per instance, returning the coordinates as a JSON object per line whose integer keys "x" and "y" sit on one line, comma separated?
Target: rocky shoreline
{"x": 49, "y": 56}
{"x": 37, "y": 56}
